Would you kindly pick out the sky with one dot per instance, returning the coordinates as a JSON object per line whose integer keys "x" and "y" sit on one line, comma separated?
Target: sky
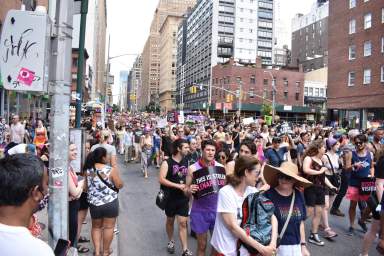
{"x": 129, "y": 22}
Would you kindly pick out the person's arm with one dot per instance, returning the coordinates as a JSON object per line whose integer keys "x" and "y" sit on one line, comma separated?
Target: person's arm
{"x": 74, "y": 191}
{"x": 379, "y": 188}
{"x": 303, "y": 243}
{"x": 113, "y": 158}
{"x": 189, "y": 187}
{"x": 230, "y": 222}
{"x": 116, "y": 179}
{"x": 163, "y": 180}
{"x": 46, "y": 134}
{"x": 348, "y": 161}
{"x": 307, "y": 167}
{"x": 372, "y": 169}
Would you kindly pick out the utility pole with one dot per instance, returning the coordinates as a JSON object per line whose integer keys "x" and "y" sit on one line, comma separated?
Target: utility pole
{"x": 80, "y": 63}
{"x": 273, "y": 99}
{"x": 59, "y": 89}
{"x": 240, "y": 95}
{"x": 107, "y": 81}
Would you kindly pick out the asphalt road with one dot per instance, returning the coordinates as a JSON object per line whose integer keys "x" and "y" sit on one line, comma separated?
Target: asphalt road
{"x": 142, "y": 224}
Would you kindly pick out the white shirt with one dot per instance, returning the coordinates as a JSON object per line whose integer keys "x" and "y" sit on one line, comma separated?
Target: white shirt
{"x": 17, "y": 132}
{"x": 18, "y": 149}
{"x": 18, "y": 241}
{"x": 229, "y": 202}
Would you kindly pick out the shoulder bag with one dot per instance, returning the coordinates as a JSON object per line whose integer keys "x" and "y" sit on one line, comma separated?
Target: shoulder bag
{"x": 287, "y": 221}
{"x": 106, "y": 183}
{"x": 335, "y": 178}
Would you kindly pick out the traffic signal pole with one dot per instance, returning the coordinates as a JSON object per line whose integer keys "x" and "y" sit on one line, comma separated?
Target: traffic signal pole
{"x": 59, "y": 90}
{"x": 80, "y": 63}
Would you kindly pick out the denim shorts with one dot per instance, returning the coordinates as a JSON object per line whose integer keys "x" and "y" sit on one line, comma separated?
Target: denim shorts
{"x": 201, "y": 222}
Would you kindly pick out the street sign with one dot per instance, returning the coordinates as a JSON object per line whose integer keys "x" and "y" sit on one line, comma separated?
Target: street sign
{"x": 24, "y": 50}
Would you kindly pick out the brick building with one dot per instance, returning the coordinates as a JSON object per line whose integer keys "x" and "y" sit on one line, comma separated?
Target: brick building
{"x": 356, "y": 61}
{"x": 257, "y": 89}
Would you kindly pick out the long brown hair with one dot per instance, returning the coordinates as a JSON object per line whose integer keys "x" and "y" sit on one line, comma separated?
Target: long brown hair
{"x": 313, "y": 148}
{"x": 242, "y": 163}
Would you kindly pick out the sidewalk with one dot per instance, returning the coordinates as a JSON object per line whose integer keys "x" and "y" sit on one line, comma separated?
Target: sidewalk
{"x": 86, "y": 232}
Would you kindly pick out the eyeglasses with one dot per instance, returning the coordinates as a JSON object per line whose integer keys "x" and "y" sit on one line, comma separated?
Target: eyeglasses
{"x": 359, "y": 143}
{"x": 223, "y": 156}
{"x": 284, "y": 177}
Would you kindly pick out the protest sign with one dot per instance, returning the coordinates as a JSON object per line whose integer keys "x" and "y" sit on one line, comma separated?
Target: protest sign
{"x": 247, "y": 121}
{"x": 209, "y": 180}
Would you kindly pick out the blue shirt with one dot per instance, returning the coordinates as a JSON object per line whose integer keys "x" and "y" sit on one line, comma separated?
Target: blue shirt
{"x": 357, "y": 174}
{"x": 299, "y": 214}
{"x": 276, "y": 157}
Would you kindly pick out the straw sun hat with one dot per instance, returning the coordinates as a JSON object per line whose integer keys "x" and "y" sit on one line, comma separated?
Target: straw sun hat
{"x": 271, "y": 174}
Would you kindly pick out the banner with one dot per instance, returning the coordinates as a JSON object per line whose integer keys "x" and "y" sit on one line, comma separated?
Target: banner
{"x": 268, "y": 120}
{"x": 209, "y": 180}
{"x": 248, "y": 120}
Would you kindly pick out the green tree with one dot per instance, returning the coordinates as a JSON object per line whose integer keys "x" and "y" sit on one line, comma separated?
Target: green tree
{"x": 266, "y": 109}
{"x": 115, "y": 108}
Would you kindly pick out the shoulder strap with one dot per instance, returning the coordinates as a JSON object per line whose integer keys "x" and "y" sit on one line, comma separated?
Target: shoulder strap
{"x": 373, "y": 145}
{"x": 106, "y": 183}
{"x": 289, "y": 215}
{"x": 278, "y": 156}
{"x": 329, "y": 160}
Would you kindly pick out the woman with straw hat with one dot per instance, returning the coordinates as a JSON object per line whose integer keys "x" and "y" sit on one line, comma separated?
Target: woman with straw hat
{"x": 290, "y": 208}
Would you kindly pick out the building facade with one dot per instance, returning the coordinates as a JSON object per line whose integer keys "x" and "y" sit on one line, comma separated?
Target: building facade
{"x": 315, "y": 91}
{"x": 151, "y": 52}
{"x": 216, "y": 31}
{"x": 356, "y": 63}
{"x": 310, "y": 37}
{"x": 135, "y": 89}
{"x": 256, "y": 89}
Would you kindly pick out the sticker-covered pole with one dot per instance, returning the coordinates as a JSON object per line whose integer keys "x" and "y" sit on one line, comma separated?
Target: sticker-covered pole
{"x": 59, "y": 89}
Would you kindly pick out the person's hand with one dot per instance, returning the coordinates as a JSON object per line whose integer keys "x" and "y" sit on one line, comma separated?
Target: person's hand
{"x": 323, "y": 169}
{"x": 181, "y": 187}
{"x": 358, "y": 165}
{"x": 193, "y": 188}
{"x": 267, "y": 250}
{"x": 304, "y": 251}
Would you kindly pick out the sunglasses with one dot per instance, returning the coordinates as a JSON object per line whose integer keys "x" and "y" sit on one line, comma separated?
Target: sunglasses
{"x": 223, "y": 156}
{"x": 359, "y": 143}
{"x": 284, "y": 177}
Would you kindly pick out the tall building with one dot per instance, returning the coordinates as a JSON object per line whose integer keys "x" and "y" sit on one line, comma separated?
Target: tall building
{"x": 123, "y": 92}
{"x": 151, "y": 51}
{"x": 135, "y": 81}
{"x": 356, "y": 61}
{"x": 310, "y": 37}
{"x": 168, "y": 51}
{"x": 214, "y": 32}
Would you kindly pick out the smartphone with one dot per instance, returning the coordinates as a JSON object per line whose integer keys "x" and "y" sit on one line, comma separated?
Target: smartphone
{"x": 62, "y": 247}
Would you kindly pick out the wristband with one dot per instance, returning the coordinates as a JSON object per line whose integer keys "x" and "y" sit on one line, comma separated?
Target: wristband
{"x": 303, "y": 244}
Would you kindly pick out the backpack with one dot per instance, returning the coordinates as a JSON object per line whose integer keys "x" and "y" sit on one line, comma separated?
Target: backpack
{"x": 256, "y": 221}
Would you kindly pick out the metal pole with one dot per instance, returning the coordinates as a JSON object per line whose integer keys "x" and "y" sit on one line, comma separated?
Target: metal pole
{"x": 2, "y": 102}
{"x": 240, "y": 96}
{"x": 273, "y": 99}
{"x": 60, "y": 62}
{"x": 106, "y": 81}
{"x": 80, "y": 63}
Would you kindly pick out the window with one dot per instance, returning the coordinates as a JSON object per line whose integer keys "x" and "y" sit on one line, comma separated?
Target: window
{"x": 382, "y": 74}
{"x": 367, "y": 48}
{"x": 351, "y": 78}
{"x": 265, "y": 81}
{"x": 251, "y": 94}
{"x": 382, "y": 44}
{"x": 317, "y": 90}
{"x": 253, "y": 80}
{"x": 352, "y": 4}
{"x": 367, "y": 76}
{"x": 352, "y": 26}
{"x": 352, "y": 52}
{"x": 367, "y": 21}
{"x": 322, "y": 92}
{"x": 297, "y": 96}
{"x": 382, "y": 15}
{"x": 310, "y": 91}
{"x": 306, "y": 91}
{"x": 285, "y": 95}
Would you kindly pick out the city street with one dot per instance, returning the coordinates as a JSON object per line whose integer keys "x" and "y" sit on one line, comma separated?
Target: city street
{"x": 142, "y": 230}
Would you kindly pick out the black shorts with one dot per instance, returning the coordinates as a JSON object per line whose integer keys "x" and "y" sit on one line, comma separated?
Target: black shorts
{"x": 372, "y": 203}
{"x": 177, "y": 207}
{"x": 84, "y": 205}
{"x": 314, "y": 195}
{"x": 109, "y": 210}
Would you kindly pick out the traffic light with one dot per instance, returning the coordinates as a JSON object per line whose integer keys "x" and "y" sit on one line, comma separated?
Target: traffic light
{"x": 228, "y": 98}
{"x": 193, "y": 89}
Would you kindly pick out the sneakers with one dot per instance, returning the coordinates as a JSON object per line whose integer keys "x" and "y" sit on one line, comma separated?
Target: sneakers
{"x": 187, "y": 253}
{"x": 314, "y": 239}
{"x": 351, "y": 231}
{"x": 171, "y": 247}
{"x": 337, "y": 212}
{"x": 363, "y": 226}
